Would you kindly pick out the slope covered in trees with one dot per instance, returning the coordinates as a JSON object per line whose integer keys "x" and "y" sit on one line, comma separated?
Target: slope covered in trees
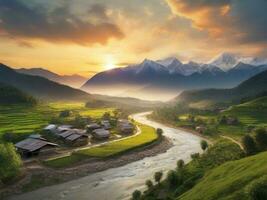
{"x": 11, "y": 95}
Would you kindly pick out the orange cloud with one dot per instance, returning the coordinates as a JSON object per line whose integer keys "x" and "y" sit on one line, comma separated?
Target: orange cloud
{"x": 204, "y": 14}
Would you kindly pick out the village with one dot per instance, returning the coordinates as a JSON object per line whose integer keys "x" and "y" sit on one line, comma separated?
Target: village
{"x": 58, "y": 139}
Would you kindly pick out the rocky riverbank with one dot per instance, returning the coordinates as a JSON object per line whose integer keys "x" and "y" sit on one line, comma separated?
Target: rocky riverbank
{"x": 37, "y": 175}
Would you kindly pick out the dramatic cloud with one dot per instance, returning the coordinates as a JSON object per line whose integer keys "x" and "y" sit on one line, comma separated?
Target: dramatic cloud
{"x": 24, "y": 23}
{"x": 233, "y": 20}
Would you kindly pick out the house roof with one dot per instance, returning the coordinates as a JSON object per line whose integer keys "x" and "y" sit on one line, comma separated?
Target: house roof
{"x": 67, "y": 133}
{"x": 75, "y": 137}
{"x": 50, "y": 127}
{"x": 101, "y": 132}
{"x": 31, "y": 144}
{"x": 93, "y": 125}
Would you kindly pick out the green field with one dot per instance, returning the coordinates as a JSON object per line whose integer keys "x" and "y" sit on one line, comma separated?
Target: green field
{"x": 229, "y": 180}
{"x": 147, "y": 135}
{"x": 23, "y": 119}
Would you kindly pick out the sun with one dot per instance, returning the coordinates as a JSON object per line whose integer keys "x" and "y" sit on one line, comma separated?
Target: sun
{"x": 110, "y": 62}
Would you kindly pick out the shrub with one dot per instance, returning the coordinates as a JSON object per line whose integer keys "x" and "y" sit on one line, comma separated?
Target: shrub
{"x": 149, "y": 184}
{"x": 249, "y": 145}
{"x": 159, "y": 131}
{"x": 136, "y": 195}
{"x": 257, "y": 190}
{"x": 195, "y": 156}
{"x": 261, "y": 138}
{"x": 180, "y": 164}
{"x": 158, "y": 176}
{"x": 10, "y": 162}
{"x": 172, "y": 179}
{"x": 204, "y": 145}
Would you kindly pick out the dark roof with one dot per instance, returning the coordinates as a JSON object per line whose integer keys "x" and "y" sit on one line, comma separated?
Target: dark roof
{"x": 31, "y": 144}
{"x": 74, "y": 137}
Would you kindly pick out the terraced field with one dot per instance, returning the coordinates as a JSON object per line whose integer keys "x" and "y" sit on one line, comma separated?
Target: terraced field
{"x": 253, "y": 112}
{"x": 25, "y": 119}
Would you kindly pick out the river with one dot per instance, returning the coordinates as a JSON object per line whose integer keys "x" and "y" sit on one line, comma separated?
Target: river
{"x": 118, "y": 183}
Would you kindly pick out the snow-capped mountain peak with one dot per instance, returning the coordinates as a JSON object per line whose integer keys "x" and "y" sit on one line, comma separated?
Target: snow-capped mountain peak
{"x": 151, "y": 65}
{"x": 169, "y": 61}
{"x": 225, "y": 61}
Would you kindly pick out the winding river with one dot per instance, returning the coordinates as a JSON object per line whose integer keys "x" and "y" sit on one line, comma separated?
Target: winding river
{"x": 119, "y": 183}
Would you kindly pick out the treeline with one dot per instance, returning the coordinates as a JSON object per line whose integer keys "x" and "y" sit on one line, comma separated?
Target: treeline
{"x": 11, "y": 95}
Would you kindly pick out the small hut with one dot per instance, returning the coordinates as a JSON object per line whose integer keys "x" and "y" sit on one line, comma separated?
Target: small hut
{"x": 101, "y": 134}
{"x": 33, "y": 146}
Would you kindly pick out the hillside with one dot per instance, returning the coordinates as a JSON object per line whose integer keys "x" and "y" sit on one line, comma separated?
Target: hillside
{"x": 253, "y": 112}
{"x": 40, "y": 87}
{"x": 251, "y": 87}
{"x": 75, "y": 80}
{"x": 11, "y": 95}
{"x": 229, "y": 181}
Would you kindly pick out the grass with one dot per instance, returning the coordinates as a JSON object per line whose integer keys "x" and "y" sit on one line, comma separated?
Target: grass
{"x": 229, "y": 180}
{"x": 147, "y": 136}
{"x": 24, "y": 119}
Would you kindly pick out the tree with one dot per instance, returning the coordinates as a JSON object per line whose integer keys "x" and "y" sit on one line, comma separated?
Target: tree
{"x": 159, "y": 131}
{"x": 158, "y": 176}
{"x": 180, "y": 164}
{"x": 172, "y": 179}
{"x": 257, "y": 190}
{"x": 249, "y": 145}
{"x": 261, "y": 138}
{"x": 136, "y": 195}
{"x": 195, "y": 156}
{"x": 10, "y": 162}
{"x": 149, "y": 184}
{"x": 204, "y": 145}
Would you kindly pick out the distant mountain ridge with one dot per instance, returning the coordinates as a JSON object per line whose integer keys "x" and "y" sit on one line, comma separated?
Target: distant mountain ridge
{"x": 249, "y": 88}
{"x": 71, "y": 80}
{"x": 169, "y": 77}
{"x": 40, "y": 87}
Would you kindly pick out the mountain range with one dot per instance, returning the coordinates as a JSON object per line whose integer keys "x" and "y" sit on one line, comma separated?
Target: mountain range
{"x": 169, "y": 77}
{"x": 74, "y": 80}
{"x": 40, "y": 87}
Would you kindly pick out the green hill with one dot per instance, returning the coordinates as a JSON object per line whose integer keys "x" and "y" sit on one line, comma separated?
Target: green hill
{"x": 40, "y": 87}
{"x": 251, "y": 87}
{"x": 11, "y": 95}
{"x": 229, "y": 181}
{"x": 253, "y": 112}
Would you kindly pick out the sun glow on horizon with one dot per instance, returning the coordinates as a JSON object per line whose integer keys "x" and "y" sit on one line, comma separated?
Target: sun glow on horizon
{"x": 110, "y": 63}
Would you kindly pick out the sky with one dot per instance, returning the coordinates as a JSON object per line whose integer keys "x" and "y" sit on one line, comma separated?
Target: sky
{"x": 88, "y": 36}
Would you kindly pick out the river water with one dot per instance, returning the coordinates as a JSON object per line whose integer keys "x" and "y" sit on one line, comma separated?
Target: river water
{"x": 118, "y": 183}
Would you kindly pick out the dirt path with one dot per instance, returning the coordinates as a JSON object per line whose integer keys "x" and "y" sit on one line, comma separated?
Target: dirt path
{"x": 233, "y": 140}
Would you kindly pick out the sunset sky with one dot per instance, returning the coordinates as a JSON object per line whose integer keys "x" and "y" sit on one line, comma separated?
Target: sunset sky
{"x": 88, "y": 36}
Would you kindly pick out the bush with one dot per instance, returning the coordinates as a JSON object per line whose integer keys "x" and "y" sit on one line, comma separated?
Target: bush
{"x": 195, "y": 156}
{"x": 180, "y": 164}
{"x": 158, "y": 176}
{"x": 204, "y": 145}
{"x": 136, "y": 195}
{"x": 257, "y": 190}
{"x": 172, "y": 179}
{"x": 261, "y": 138}
{"x": 249, "y": 145}
{"x": 10, "y": 162}
{"x": 149, "y": 184}
{"x": 159, "y": 131}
